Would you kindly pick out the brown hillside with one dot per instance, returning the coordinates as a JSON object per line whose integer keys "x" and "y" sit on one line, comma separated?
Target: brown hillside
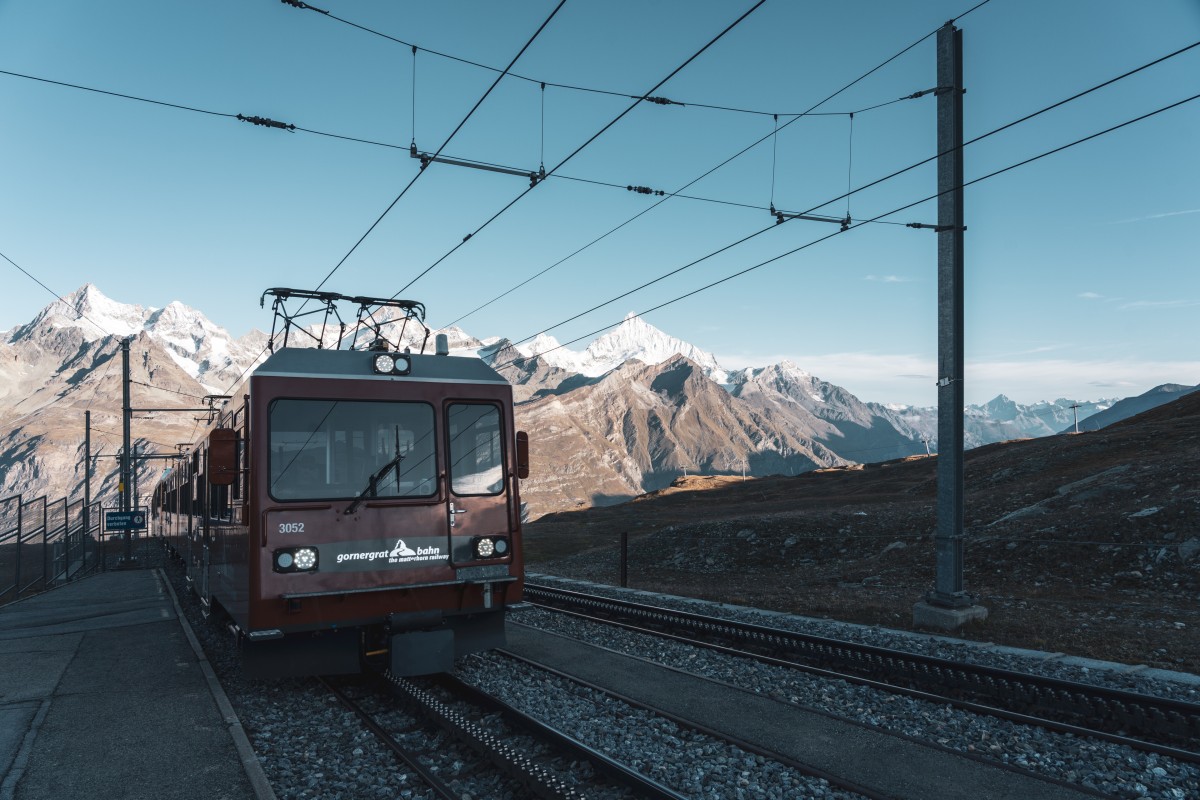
{"x": 1087, "y": 544}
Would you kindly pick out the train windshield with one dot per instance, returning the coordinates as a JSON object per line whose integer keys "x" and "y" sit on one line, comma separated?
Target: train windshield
{"x": 343, "y": 449}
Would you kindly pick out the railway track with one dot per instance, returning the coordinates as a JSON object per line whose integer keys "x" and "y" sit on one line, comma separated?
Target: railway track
{"x": 836, "y": 781}
{"x": 529, "y": 756}
{"x": 1154, "y": 724}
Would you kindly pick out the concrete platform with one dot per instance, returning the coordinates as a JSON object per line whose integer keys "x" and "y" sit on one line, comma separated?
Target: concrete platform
{"x": 104, "y": 692}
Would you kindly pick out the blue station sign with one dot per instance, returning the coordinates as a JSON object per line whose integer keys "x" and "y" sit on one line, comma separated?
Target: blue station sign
{"x": 125, "y": 520}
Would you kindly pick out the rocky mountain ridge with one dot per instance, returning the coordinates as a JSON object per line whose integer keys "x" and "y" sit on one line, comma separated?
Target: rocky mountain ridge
{"x": 634, "y": 410}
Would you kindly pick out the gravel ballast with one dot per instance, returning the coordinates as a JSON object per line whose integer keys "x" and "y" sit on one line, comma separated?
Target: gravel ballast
{"x": 1120, "y": 771}
{"x": 311, "y": 747}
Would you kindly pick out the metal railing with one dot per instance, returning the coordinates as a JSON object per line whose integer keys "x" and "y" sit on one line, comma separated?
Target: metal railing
{"x": 45, "y": 543}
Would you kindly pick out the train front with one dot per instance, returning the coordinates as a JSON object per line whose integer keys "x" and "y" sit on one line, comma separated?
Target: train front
{"x": 387, "y": 519}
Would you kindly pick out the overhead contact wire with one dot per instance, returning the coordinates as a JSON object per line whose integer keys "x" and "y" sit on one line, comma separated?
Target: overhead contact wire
{"x": 116, "y": 94}
{"x": 591, "y": 139}
{"x": 793, "y": 251}
{"x": 1015, "y": 122}
{"x": 572, "y": 87}
{"x": 56, "y": 295}
{"x": 704, "y": 175}
{"x": 446, "y": 142}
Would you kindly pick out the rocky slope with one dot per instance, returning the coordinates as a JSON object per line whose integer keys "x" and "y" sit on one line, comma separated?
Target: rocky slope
{"x": 1123, "y": 409}
{"x": 633, "y": 411}
{"x": 1087, "y": 544}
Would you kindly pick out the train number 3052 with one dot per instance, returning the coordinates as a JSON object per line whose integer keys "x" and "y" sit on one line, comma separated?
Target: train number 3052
{"x": 291, "y": 527}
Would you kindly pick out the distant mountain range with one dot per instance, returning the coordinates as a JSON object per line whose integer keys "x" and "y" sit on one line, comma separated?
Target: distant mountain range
{"x": 1124, "y": 409}
{"x": 625, "y": 416}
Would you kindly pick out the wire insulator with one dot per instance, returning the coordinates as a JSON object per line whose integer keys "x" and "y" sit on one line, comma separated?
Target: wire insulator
{"x": 305, "y": 6}
{"x": 921, "y": 93}
{"x": 934, "y": 228}
{"x": 661, "y": 101}
{"x": 646, "y": 190}
{"x": 267, "y": 123}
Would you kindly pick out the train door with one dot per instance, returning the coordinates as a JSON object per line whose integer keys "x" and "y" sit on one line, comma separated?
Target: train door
{"x": 477, "y": 501}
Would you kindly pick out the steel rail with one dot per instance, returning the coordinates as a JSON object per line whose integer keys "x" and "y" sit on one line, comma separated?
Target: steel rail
{"x": 440, "y": 787}
{"x": 641, "y": 785}
{"x": 736, "y": 741}
{"x": 1171, "y": 727}
{"x": 540, "y": 781}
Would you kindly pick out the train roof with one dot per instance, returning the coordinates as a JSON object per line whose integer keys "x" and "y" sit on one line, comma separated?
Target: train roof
{"x": 300, "y": 362}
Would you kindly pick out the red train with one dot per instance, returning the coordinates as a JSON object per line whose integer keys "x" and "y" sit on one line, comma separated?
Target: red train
{"x": 354, "y": 506}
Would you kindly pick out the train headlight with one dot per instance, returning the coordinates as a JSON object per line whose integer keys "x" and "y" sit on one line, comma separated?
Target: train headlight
{"x": 296, "y": 559}
{"x": 384, "y": 363}
{"x": 391, "y": 364}
{"x": 490, "y": 547}
{"x": 306, "y": 558}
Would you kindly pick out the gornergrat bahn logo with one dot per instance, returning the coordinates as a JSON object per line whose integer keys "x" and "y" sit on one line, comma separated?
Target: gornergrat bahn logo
{"x": 382, "y": 554}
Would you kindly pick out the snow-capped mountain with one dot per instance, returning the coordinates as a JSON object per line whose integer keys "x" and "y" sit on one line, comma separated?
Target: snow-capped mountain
{"x": 619, "y": 418}
{"x": 997, "y": 420}
{"x": 634, "y": 338}
{"x": 856, "y": 431}
{"x": 201, "y": 348}
{"x": 88, "y": 310}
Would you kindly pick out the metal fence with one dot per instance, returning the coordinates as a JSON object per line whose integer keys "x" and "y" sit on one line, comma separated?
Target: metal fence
{"x": 46, "y": 543}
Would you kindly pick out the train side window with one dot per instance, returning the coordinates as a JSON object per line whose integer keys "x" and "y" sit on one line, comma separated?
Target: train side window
{"x": 240, "y": 461}
{"x": 219, "y": 507}
{"x": 476, "y": 454}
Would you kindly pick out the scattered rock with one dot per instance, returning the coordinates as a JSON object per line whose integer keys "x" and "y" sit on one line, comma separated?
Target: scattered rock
{"x": 1145, "y": 512}
{"x": 1027, "y": 511}
{"x": 1189, "y": 549}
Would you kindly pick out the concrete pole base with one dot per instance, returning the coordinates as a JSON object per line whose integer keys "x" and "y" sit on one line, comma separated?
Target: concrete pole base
{"x": 927, "y": 615}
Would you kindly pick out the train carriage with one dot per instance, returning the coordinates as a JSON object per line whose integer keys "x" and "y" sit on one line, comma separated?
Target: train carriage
{"x": 355, "y": 506}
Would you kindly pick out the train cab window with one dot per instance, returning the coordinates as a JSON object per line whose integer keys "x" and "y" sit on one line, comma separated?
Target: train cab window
{"x": 476, "y": 456}
{"x": 343, "y": 449}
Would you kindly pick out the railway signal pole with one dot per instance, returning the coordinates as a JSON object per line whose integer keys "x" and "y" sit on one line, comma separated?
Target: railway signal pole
{"x": 948, "y": 606}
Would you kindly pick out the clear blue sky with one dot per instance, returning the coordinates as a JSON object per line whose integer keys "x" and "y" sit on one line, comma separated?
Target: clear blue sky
{"x": 1082, "y": 273}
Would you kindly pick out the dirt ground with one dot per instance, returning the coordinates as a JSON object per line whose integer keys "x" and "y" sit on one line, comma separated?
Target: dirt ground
{"x": 1087, "y": 544}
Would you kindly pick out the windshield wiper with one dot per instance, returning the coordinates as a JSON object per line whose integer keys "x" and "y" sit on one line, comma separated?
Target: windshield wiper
{"x": 372, "y": 488}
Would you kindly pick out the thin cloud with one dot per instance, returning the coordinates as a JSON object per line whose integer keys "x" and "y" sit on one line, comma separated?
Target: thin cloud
{"x": 887, "y": 279}
{"x": 1157, "y": 216}
{"x": 1096, "y": 296}
{"x": 1161, "y": 304}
